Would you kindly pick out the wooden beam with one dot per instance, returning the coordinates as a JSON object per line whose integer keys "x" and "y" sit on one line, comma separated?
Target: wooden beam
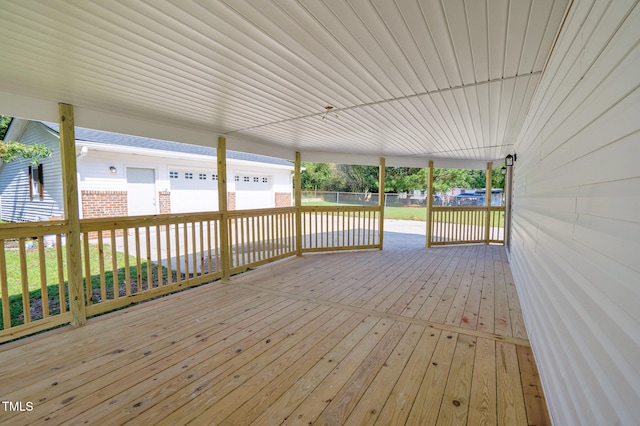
{"x": 429, "y": 203}
{"x": 298, "y": 203}
{"x": 487, "y": 221}
{"x": 381, "y": 201}
{"x": 72, "y": 214}
{"x": 222, "y": 207}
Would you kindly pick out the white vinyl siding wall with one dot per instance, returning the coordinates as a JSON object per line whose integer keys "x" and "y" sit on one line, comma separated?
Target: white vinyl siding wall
{"x": 14, "y": 182}
{"x": 576, "y": 218}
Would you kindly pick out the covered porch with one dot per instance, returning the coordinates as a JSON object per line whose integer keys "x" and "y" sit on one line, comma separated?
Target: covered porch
{"x": 399, "y": 336}
{"x": 552, "y": 84}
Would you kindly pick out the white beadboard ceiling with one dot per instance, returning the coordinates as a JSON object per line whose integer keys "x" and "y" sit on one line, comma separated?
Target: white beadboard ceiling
{"x": 410, "y": 80}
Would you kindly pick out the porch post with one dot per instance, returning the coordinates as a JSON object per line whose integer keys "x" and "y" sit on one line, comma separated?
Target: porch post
{"x": 297, "y": 190}
{"x": 487, "y": 221}
{"x": 508, "y": 193}
{"x": 72, "y": 214}
{"x": 429, "y": 204}
{"x": 222, "y": 207}
{"x": 381, "y": 202}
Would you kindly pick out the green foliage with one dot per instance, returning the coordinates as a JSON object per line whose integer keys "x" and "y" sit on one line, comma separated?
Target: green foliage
{"x": 497, "y": 178}
{"x": 359, "y": 178}
{"x": 446, "y": 179}
{"x": 5, "y": 120}
{"x": 319, "y": 176}
{"x": 403, "y": 179}
{"x": 11, "y": 151}
{"x": 353, "y": 178}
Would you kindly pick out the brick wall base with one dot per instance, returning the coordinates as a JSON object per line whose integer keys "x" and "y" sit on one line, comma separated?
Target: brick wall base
{"x": 164, "y": 198}
{"x": 104, "y": 204}
{"x": 283, "y": 199}
{"x": 231, "y": 200}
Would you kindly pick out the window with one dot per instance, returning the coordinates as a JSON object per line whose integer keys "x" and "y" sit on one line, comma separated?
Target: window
{"x": 202, "y": 176}
{"x": 265, "y": 180}
{"x": 256, "y": 179}
{"x": 188, "y": 175}
{"x": 173, "y": 175}
{"x": 36, "y": 181}
{"x": 246, "y": 179}
{"x": 237, "y": 178}
{"x": 214, "y": 177}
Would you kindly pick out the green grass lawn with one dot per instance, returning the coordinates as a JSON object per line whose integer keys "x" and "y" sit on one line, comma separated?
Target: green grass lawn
{"x": 14, "y": 283}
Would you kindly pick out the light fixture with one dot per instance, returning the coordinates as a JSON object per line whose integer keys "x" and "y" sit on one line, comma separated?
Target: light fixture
{"x": 509, "y": 160}
{"x": 327, "y": 109}
{"x": 503, "y": 170}
{"x": 113, "y": 170}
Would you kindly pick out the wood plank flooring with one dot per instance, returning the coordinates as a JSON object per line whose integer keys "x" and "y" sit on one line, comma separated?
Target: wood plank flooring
{"x": 405, "y": 336}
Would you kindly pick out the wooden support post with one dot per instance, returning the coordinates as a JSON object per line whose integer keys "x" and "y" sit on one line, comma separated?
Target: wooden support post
{"x": 430, "y": 204}
{"x": 77, "y": 304}
{"x": 222, "y": 207}
{"x": 508, "y": 198}
{"x": 487, "y": 222}
{"x": 381, "y": 202}
{"x": 298, "y": 203}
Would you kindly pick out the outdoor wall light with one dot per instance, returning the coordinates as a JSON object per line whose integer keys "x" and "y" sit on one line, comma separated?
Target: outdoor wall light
{"x": 503, "y": 170}
{"x": 113, "y": 170}
{"x": 509, "y": 159}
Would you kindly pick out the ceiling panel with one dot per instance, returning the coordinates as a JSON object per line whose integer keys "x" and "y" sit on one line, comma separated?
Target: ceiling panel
{"x": 414, "y": 79}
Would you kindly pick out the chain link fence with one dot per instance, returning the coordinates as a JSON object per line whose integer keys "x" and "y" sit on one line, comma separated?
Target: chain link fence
{"x": 410, "y": 199}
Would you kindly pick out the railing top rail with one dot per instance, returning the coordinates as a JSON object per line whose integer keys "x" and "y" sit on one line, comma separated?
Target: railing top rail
{"x": 467, "y": 208}
{"x": 32, "y": 229}
{"x": 339, "y": 208}
{"x": 261, "y": 212}
{"x": 135, "y": 221}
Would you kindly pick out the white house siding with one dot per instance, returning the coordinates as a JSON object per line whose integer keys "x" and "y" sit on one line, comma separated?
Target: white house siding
{"x": 93, "y": 169}
{"x": 14, "y": 182}
{"x": 576, "y": 218}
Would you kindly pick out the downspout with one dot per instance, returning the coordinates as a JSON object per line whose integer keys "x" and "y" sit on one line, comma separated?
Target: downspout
{"x": 83, "y": 152}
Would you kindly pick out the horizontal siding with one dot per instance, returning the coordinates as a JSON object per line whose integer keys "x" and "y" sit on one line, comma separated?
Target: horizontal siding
{"x": 14, "y": 182}
{"x": 576, "y": 220}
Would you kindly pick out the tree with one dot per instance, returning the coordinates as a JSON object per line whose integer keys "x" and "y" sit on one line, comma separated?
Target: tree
{"x": 344, "y": 177}
{"x": 11, "y": 151}
{"x": 5, "y": 120}
{"x": 403, "y": 179}
{"x": 319, "y": 176}
{"x": 359, "y": 178}
{"x": 446, "y": 179}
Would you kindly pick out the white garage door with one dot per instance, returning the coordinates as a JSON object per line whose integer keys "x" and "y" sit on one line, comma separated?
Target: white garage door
{"x": 193, "y": 190}
{"x": 254, "y": 191}
{"x": 141, "y": 191}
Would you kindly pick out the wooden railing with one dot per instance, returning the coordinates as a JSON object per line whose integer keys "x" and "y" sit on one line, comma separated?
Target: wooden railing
{"x": 465, "y": 225}
{"x": 130, "y": 259}
{"x": 147, "y": 256}
{"x": 32, "y": 277}
{"x": 261, "y": 236}
{"x": 339, "y": 228}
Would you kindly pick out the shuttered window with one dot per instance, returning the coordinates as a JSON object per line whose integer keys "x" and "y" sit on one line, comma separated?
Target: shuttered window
{"x": 36, "y": 181}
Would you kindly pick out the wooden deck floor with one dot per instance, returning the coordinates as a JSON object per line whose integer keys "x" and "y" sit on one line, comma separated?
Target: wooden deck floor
{"x": 393, "y": 337}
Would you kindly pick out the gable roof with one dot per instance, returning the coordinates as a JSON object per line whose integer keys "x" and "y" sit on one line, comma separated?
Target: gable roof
{"x": 109, "y": 138}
